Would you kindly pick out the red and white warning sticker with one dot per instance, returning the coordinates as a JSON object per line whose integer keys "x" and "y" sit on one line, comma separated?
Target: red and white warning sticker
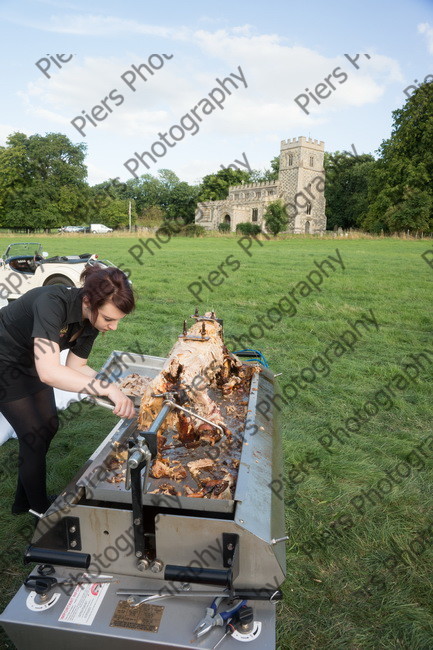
{"x": 84, "y": 603}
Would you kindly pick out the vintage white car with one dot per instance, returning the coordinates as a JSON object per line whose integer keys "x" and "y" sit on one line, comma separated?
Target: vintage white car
{"x": 25, "y": 266}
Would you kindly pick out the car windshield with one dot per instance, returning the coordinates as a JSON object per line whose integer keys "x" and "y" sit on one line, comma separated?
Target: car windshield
{"x": 23, "y": 250}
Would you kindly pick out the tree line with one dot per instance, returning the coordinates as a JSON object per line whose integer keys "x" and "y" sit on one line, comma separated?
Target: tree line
{"x": 43, "y": 183}
{"x": 393, "y": 192}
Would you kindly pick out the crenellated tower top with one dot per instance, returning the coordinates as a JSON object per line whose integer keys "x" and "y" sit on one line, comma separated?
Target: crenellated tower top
{"x": 302, "y": 141}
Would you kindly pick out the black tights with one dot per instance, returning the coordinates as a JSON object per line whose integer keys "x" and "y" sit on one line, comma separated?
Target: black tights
{"x": 35, "y": 421}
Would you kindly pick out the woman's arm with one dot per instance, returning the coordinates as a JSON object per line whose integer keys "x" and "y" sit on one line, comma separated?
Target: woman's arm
{"x": 51, "y": 372}
{"x": 77, "y": 363}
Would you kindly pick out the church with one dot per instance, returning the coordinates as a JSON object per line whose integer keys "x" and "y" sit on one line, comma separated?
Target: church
{"x": 300, "y": 186}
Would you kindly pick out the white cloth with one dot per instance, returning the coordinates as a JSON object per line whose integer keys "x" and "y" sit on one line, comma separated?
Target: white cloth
{"x": 62, "y": 398}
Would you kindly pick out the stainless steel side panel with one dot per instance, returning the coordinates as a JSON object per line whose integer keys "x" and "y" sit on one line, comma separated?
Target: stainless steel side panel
{"x": 259, "y": 509}
{"x": 31, "y": 630}
{"x": 197, "y": 542}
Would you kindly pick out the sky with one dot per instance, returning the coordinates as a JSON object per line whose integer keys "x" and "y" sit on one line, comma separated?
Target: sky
{"x": 200, "y": 85}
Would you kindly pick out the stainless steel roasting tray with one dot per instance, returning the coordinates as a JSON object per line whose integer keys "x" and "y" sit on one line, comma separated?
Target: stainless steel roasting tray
{"x": 97, "y": 487}
{"x": 120, "y": 364}
{"x": 96, "y": 478}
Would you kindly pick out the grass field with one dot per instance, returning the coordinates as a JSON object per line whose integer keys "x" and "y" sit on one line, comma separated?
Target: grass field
{"x": 360, "y": 544}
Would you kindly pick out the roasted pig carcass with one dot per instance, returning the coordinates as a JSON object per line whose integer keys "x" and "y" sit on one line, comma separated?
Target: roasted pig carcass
{"x": 197, "y": 362}
{"x": 203, "y": 377}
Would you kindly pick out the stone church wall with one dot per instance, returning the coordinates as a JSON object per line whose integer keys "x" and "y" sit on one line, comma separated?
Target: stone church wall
{"x": 300, "y": 185}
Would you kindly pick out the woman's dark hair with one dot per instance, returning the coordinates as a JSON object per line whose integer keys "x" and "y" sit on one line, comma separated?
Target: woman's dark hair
{"x": 101, "y": 284}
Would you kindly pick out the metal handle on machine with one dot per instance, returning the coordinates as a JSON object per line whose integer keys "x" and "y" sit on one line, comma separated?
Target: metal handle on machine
{"x": 54, "y": 556}
{"x": 99, "y": 401}
{"x": 200, "y": 575}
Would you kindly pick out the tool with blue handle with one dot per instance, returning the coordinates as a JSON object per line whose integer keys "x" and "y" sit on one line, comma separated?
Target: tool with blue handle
{"x": 212, "y": 619}
{"x": 242, "y": 619}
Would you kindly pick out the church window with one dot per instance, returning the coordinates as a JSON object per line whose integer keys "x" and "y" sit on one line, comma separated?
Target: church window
{"x": 311, "y": 161}
{"x": 255, "y": 215}
{"x": 237, "y": 195}
{"x": 258, "y": 194}
{"x": 308, "y": 207}
{"x": 290, "y": 159}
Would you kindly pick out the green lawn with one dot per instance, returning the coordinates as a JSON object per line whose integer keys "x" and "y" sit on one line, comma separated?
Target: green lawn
{"x": 360, "y": 548}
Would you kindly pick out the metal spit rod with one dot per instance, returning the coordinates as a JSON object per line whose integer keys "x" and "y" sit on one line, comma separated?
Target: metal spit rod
{"x": 199, "y": 417}
{"x": 161, "y": 415}
{"x": 149, "y": 595}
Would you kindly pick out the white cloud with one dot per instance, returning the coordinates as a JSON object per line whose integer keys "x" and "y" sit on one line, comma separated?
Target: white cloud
{"x": 425, "y": 28}
{"x": 281, "y": 73}
{"x": 96, "y": 174}
{"x": 275, "y": 73}
{"x": 8, "y": 129}
{"x": 383, "y": 68}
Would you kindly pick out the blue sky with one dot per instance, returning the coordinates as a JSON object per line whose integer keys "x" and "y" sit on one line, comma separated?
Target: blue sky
{"x": 281, "y": 48}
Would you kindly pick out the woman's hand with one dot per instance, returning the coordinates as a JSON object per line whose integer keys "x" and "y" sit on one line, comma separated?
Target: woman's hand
{"x": 123, "y": 406}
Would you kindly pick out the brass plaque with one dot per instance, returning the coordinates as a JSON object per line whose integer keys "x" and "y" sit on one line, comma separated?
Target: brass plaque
{"x": 145, "y": 617}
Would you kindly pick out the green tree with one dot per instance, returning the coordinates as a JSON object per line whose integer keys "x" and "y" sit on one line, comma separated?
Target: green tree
{"x": 401, "y": 192}
{"x": 115, "y": 213}
{"x": 182, "y": 202}
{"x": 164, "y": 197}
{"x": 42, "y": 181}
{"x": 147, "y": 191}
{"x": 151, "y": 217}
{"x": 14, "y": 171}
{"x": 267, "y": 175}
{"x": 275, "y": 217}
{"x": 346, "y": 189}
{"x": 216, "y": 186}
{"x": 400, "y": 198}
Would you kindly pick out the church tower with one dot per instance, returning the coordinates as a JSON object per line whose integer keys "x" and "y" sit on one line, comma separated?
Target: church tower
{"x": 302, "y": 184}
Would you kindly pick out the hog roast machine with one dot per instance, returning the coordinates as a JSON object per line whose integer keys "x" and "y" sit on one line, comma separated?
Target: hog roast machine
{"x": 173, "y": 509}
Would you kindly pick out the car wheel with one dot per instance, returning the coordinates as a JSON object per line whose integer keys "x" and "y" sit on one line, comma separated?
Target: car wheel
{"x": 59, "y": 279}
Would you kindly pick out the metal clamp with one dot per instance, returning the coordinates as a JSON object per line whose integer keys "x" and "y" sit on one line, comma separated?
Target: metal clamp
{"x": 138, "y": 455}
{"x": 212, "y": 318}
{"x": 194, "y": 337}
